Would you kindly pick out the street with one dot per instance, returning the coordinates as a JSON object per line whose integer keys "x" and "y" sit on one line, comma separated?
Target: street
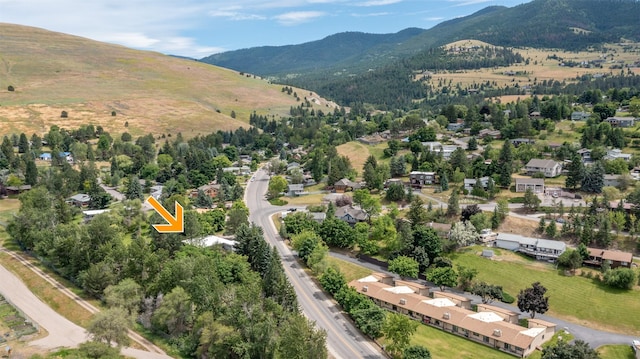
{"x": 344, "y": 340}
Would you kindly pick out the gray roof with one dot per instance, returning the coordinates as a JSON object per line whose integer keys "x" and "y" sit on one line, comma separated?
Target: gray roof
{"x": 80, "y": 197}
{"x": 534, "y": 181}
{"x": 540, "y": 243}
{"x": 538, "y": 163}
{"x": 356, "y": 213}
{"x": 296, "y": 187}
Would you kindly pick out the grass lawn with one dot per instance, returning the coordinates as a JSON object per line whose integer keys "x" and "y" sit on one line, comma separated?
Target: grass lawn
{"x": 443, "y": 345}
{"x": 351, "y": 271}
{"x": 621, "y": 351}
{"x": 307, "y": 199}
{"x": 577, "y": 299}
{"x": 356, "y": 152}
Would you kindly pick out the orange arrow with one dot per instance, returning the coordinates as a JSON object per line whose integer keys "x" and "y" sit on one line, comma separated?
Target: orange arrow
{"x": 176, "y": 224}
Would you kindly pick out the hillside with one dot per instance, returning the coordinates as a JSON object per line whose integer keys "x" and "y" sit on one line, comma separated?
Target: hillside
{"x": 53, "y": 72}
{"x": 349, "y": 49}
{"x": 562, "y": 24}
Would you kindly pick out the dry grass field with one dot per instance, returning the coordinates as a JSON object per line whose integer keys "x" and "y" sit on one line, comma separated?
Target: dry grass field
{"x": 53, "y": 72}
{"x": 540, "y": 66}
{"x": 356, "y": 152}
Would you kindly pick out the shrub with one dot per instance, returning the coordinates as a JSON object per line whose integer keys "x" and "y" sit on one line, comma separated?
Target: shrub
{"x": 113, "y": 113}
{"x": 623, "y": 278}
{"x": 507, "y": 298}
{"x": 10, "y": 88}
{"x": 516, "y": 200}
{"x": 64, "y": 114}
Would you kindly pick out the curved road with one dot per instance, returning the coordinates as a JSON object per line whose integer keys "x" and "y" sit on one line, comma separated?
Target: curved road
{"x": 344, "y": 340}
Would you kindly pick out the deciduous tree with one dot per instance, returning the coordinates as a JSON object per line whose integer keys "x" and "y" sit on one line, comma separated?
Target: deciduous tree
{"x": 532, "y": 300}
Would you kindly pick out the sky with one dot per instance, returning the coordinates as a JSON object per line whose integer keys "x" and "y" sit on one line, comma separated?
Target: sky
{"x": 198, "y": 28}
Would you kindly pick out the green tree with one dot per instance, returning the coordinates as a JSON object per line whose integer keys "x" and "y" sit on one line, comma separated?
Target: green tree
{"x": 417, "y": 214}
{"x": 23, "y": 144}
{"x": 237, "y": 215}
{"x": 552, "y": 229}
{"x": 332, "y": 280}
{"x": 277, "y": 185}
{"x": 531, "y": 201}
{"x": 404, "y": 266}
{"x": 623, "y": 278}
{"x": 487, "y": 292}
{"x": 305, "y": 242}
{"x": 505, "y": 164}
{"x": 337, "y": 233}
{"x": 395, "y": 192}
{"x": 127, "y": 294}
{"x": 571, "y": 258}
{"x": 563, "y": 350}
{"x": 299, "y": 339}
{"x": 276, "y": 286}
{"x": 174, "y": 313}
{"x": 532, "y": 300}
{"x": 443, "y": 277}
{"x": 134, "y": 189}
{"x": 472, "y": 145}
{"x": 110, "y": 326}
{"x": 575, "y": 172}
{"x": 398, "y": 329}
{"x": 453, "y": 206}
{"x": 369, "y": 319}
{"x": 416, "y": 352}
{"x": 31, "y": 173}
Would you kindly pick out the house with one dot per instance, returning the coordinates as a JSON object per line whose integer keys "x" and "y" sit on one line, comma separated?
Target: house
{"x": 487, "y": 236}
{"x": 391, "y": 181}
{"x": 469, "y": 183}
{"x": 79, "y": 200}
{"x": 238, "y": 171}
{"x": 156, "y": 191}
{"x": 210, "y": 190}
{"x": 46, "y": 156}
{"x": 541, "y": 249}
{"x": 88, "y": 215}
{"x": 433, "y": 146}
{"x": 345, "y": 185}
{"x": 534, "y": 184}
{"x": 419, "y": 179}
{"x": 580, "y": 116}
{"x": 614, "y": 259}
{"x": 617, "y": 153}
{"x": 292, "y": 165}
{"x": 12, "y": 190}
{"x": 612, "y": 180}
{"x": 550, "y": 168}
{"x": 585, "y": 154}
{"x": 621, "y": 121}
{"x": 535, "y": 114}
{"x": 295, "y": 190}
{"x": 521, "y": 141}
{"x": 493, "y": 134}
{"x": 350, "y": 214}
{"x": 506, "y": 314}
{"x": 452, "y": 313}
{"x": 208, "y": 241}
{"x": 447, "y": 150}
{"x": 455, "y": 126}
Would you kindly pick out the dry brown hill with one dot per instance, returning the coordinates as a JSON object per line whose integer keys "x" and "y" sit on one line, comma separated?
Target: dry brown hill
{"x": 53, "y": 72}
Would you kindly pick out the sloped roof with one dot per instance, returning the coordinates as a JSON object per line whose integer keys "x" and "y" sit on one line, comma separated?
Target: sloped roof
{"x": 539, "y": 163}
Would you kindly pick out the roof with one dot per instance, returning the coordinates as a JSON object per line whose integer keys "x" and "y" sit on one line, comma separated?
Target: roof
{"x": 356, "y": 213}
{"x": 546, "y": 243}
{"x": 539, "y": 163}
{"x": 209, "y": 241}
{"x": 533, "y": 181}
{"x": 540, "y": 243}
{"x": 80, "y": 197}
{"x": 296, "y": 187}
{"x": 606, "y": 254}
{"x": 403, "y": 289}
{"x": 45, "y": 155}
{"x": 95, "y": 212}
{"x": 484, "y": 323}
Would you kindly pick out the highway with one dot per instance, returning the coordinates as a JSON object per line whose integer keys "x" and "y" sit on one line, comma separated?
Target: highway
{"x": 344, "y": 341}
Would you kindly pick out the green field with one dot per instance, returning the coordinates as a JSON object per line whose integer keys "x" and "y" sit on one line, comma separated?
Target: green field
{"x": 577, "y": 299}
{"x": 616, "y": 352}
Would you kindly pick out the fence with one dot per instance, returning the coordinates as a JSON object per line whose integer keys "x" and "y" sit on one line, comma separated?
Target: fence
{"x": 27, "y": 319}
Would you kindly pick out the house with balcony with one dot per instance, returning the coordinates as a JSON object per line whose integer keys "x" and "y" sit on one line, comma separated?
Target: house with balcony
{"x": 549, "y": 168}
{"x": 621, "y": 121}
{"x": 536, "y": 185}
{"x": 580, "y": 116}
{"x": 616, "y": 153}
{"x": 418, "y": 179}
{"x": 469, "y": 183}
{"x": 540, "y": 249}
{"x": 614, "y": 259}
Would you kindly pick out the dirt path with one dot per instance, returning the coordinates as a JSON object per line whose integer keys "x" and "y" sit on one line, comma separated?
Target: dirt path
{"x": 62, "y": 332}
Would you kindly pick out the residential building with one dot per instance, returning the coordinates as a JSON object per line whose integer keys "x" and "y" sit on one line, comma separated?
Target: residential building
{"x": 12, "y": 190}
{"x": 345, "y": 185}
{"x": 391, "y": 181}
{"x": 621, "y": 121}
{"x": 614, "y": 259}
{"x": 210, "y": 190}
{"x": 419, "y": 179}
{"x": 580, "y": 116}
{"x": 211, "y": 240}
{"x": 535, "y": 114}
{"x": 541, "y": 249}
{"x": 295, "y": 190}
{"x": 469, "y": 183}
{"x": 487, "y": 236}
{"x": 88, "y": 215}
{"x": 452, "y": 313}
{"x": 455, "y": 126}
{"x": 447, "y": 150}
{"x": 79, "y": 200}
{"x": 238, "y": 171}
{"x": 585, "y": 154}
{"x": 521, "y": 141}
{"x": 494, "y": 134}
{"x": 534, "y": 184}
{"x": 549, "y": 168}
{"x": 616, "y": 153}
{"x": 433, "y": 146}
{"x": 46, "y": 156}
{"x": 351, "y": 214}
{"x": 611, "y": 180}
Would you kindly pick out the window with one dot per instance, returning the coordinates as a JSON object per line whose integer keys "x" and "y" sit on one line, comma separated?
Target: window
{"x": 455, "y": 328}
{"x": 506, "y": 346}
{"x": 476, "y": 334}
{"x": 486, "y": 339}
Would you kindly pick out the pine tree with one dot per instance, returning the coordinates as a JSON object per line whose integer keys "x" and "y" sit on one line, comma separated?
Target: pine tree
{"x": 31, "y": 173}
{"x": 453, "y": 207}
{"x": 495, "y": 218}
{"x": 551, "y": 230}
{"x": 134, "y": 189}
{"x": 505, "y": 164}
{"x": 575, "y": 172}
{"x": 444, "y": 182}
{"x": 472, "y": 145}
{"x": 542, "y": 225}
{"x": 23, "y": 144}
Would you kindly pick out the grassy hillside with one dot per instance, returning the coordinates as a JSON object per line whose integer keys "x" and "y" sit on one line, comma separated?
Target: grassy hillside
{"x": 53, "y": 72}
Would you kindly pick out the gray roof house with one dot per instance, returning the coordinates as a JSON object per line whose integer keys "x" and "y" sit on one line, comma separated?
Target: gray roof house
{"x": 79, "y": 200}
{"x": 550, "y": 168}
{"x": 617, "y": 153}
{"x": 611, "y": 180}
{"x": 580, "y": 116}
{"x": 296, "y": 190}
{"x": 541, "y": 249}
{"x": 621, "y": 121}
{"x": 534, "y": 184}
{"x": 469, "y": 183}
{"x": 350, "y": 214}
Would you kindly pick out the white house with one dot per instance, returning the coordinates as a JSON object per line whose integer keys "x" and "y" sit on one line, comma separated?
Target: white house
{"x": 550, "y": 168}
{"x": 616, "y": 153}
{"x": 541, "y": 249}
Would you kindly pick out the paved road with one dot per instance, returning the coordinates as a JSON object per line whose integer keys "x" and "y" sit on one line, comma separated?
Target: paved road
{"x": 594, "y": 337}
{"x": 62, "y": 332}
{"x": 344, "y": 341}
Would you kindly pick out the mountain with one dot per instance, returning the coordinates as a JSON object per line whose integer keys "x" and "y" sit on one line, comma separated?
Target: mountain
{"x": 565, "y": 24}
{"x": 51, "y": 72}
{"x": 349, "y": 48}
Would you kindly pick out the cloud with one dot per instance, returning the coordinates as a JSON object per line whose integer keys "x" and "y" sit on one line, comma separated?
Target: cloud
{"x": 378, "y": 2}
{"x": 371, "y": 14}
{"x": 235, "y": 15}
{"x": 298, "y": 17}
{"x": 434, "y": 18}
{"x": 468, "y": 2}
